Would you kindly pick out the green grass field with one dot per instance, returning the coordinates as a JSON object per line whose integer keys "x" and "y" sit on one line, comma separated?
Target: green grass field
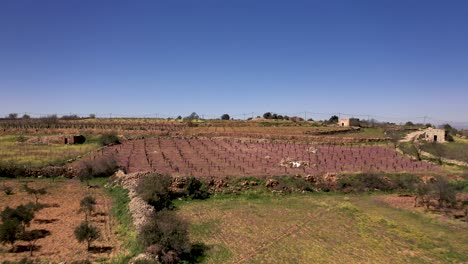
{"x": 319, "y": 228}
{"x": 457, "y": 150}
{"x": 15, "y": 152}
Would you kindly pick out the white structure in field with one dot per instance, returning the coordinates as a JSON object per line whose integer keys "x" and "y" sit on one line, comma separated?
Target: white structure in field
{"x": 347, "y": 122}
{"x": 435, "y": 135}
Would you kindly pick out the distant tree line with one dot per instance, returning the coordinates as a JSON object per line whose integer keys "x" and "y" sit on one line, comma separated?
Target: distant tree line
{"x": 14, "y": 116}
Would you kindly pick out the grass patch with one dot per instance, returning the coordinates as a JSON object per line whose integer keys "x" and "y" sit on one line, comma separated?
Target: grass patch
{"x": 318, "y": 228}
{"x": 456, "y": 150}
{"x": 15, "y": 151}
{"x": 126, "y": 231}
{"x": 408, "y": 148}
{"x": 365, "y": 132}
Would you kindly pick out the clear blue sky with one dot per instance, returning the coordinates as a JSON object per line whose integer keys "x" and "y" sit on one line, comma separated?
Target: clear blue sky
{"x": 382, "y": 58}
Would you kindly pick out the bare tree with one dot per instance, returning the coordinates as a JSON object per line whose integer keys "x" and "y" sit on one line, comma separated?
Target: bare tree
{"x": 394, "y": 136}
{"x": 417, "y": 149}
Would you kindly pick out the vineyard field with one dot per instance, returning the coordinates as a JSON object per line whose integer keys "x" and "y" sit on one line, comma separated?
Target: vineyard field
{"x": 231, "y": 157}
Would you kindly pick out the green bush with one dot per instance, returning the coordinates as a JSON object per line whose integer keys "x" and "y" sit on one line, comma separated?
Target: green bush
{"x": 15, "y": 221}
{"x": 109, "y": 139}
{"x": 154, "y": 189}
{"x": 11, "y": 171}
{"x": 9, "y": 231}
{"x": 196, "y": 189}
{"x": 166, "y": 237}
{"x": 404, "y": 182}
{"x": 365, "y": 182}
{"x": 22, "y": 214}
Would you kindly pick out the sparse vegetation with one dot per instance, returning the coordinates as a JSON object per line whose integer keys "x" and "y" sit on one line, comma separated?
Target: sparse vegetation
{"x": 35, "y": 192}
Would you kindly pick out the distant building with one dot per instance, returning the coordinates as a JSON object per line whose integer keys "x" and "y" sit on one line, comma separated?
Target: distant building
{"x": 435, "y": 135}
{"x": 75, "y": 139}
{"x": 347, "y": 122}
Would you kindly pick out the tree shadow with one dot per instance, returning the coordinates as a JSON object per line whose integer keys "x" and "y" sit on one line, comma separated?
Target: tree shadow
{"x": 45, "y": 205}
{"x": 24, "y": 248}
{"x": 100, "y": 249}
{"x": 35, "y": 234}
{"x": 46, "y": 221}
{"x": 197, "y": 253}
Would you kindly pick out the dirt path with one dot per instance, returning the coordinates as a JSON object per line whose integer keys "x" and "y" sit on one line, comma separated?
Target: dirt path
{"x": 410, "y": 136}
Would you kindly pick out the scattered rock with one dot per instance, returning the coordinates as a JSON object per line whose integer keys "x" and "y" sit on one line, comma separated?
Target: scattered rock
{"x": 141, "y": 258}
{"x": 271, "y": 183}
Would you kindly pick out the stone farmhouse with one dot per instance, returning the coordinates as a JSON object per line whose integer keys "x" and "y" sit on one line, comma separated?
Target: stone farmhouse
{"x": 348, "y": 122}
{"x": 435, "y": 135}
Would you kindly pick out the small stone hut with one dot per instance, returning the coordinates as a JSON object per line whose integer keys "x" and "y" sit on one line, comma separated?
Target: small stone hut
{"x": 74, "y": 139}
{"x": 347, "y": 122}
{"x": 435, "y": 135}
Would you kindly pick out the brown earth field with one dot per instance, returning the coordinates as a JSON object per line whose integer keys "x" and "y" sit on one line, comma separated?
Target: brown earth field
{"x": 58, "y": 221}
{"x": 407, "y": 203}
{"x": 233, "y": 157}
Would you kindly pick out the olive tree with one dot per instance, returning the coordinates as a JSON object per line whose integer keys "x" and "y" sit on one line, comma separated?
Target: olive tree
{"x": 86, "y": 233}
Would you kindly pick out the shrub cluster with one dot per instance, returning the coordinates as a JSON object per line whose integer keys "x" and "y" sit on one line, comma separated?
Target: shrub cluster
{"x": 109, "y": 139}
{"x": 437, "y": 193}
{"x": 155, "y": 190}
{"x": 103, "y": 166}
{"x": 195, "y": 189}
{"x": 165, "y": 236}
{"x": 364, "y": 182}
{"x": 8, "y": 170}
{"x": 12, "y": 171}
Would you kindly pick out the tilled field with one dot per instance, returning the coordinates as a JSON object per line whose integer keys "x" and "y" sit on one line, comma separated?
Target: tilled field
{"x": 58, "y": 220}
{"x": 234, "y": 157}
